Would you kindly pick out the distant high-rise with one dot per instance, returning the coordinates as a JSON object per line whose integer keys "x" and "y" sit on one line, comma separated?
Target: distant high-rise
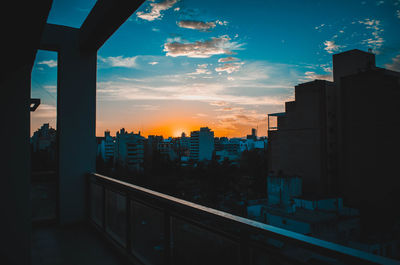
{"x": 107, "y": 147}
{"x": 201, "y": 144}
{"x": 43, "y": 138}
{"x": 340, "y": 136}
{"x": 129, "y": 150}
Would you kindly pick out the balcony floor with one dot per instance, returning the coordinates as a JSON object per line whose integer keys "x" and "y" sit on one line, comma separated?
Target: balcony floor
{"x": 78, "y": 244}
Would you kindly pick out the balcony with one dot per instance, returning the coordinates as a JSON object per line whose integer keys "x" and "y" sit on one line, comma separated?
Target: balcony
{"x": 100, "y": 220}
{"x": 154, "y": 228}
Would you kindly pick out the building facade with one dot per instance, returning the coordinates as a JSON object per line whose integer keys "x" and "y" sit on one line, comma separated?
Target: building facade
{"x": 129, "y": 150}
{"x": 201, "y": 144}
{"x": 340, "y": 136}
{"x": 107, "y": 147}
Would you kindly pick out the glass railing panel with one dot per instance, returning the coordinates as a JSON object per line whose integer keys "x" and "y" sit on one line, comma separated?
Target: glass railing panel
{"x": 116, "y": 216}
{"x": 147, "y": 233}
{"x": 96, "y": 204}
{"x": 194, "y": 245}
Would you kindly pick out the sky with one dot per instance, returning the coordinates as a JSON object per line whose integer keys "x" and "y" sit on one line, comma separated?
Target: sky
{"x": 175, "y": 66}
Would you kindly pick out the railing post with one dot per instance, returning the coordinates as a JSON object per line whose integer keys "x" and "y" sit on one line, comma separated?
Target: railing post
{"x": 167, "y": 238}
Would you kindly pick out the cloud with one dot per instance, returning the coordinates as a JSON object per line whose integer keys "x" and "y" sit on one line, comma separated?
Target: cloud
{"x": 222, "y": 23}
{"x": 119, "y": 61}
{"x": 319, "y": 27}
{"x": 50, "y": 88}
{"x": 148, "y": 107}
{"x": 153, "y": 63}
{"x": 176, "y": 9}
{"x": 218, "y": 103}
{"x": 229, "y": 67}
{"x": 45, "y": 111}
{"x": 228, "y": 59}
{"x": 312, "y": 76}
{"x": 395, "y": 65}
{"x": 331, "y": 46}
{"x": 155, "y": 10}
{"x": 202, "y": 49}
{"x": 49, "y": 63}
{"x": 378, "y": 3}
{"x": 198, "y": 25}
{"x": 398, "y": 14}
{"x": 376, "y": 41}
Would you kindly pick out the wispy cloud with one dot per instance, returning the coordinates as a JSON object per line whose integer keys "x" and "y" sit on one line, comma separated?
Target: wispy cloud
{"x": 376, "y": 41}
{"x": 153, "y": 63}
{"x": 252, "y": 86}
{"x": 202, "y": 49}
{"x": 229, "y": 67}
{"x": 331, "y": 46}
{"x": 201, "y": 69}
{"x": 45, "y": 111}
{"x": 147, "y": 107}
{"x": 228, "y": 59}
{"x": 395, "y": 64}
{"x": 49, "y": 63}
{"x": 119, "y": 61}
{"x": 378, "y": 3}
{"x": 197, "y": 25}
{"x": 312, "y": 76}
{"x": 154, "y": 12}
{"x": 320, "y": 27}
{"x": 222, "y": 23}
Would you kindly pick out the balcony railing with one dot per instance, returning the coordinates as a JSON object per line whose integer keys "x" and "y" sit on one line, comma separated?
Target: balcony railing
{"x": 154, "y": 228}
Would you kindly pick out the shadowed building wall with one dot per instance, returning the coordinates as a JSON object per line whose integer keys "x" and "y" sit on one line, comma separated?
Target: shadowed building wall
{"x": 342, "y": 137}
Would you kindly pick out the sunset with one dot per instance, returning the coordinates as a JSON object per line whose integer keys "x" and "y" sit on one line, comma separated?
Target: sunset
{"x": 183, "y": 65}
{"x": 193, "y": 132}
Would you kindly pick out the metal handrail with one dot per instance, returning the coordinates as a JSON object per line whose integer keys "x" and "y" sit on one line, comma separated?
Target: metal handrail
{"x": 236, "y": 228}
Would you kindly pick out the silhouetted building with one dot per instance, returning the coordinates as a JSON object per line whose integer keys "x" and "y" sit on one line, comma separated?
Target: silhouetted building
{"x": 44, "y": 138}
{"x": 253, "y": 134}
{"x": 184, "y": 145}
{"x": 303, "y": 141}
{"x": 201, "y": 144}
{"x": 169, "y": 148}
{"x": 340, "y": 136}
{"x": 129, "y": 150}
{"x": 107, "y": 147}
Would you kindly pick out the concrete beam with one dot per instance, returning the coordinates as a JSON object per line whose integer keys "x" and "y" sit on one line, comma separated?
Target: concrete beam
{"x": 104, "y": 19}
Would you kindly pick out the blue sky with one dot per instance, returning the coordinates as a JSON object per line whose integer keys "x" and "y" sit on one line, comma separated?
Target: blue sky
{"x": 177, "y": 65}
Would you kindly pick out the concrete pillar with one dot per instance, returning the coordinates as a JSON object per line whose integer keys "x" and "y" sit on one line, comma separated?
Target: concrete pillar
{"x": 15, "y": 220}
{"x": 76, "y": 117}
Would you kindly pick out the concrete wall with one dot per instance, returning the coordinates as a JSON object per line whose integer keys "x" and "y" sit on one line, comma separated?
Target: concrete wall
{"x": 370, "y": 138}
{"x": 299, "y": 146}
{"x": 15, "y": 221}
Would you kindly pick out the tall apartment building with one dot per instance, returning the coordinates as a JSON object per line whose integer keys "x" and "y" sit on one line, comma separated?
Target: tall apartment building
{"x": 44, "y": 138}
{"x": 129, "y": 150}
{"x": 340, "y": 136}
{"x": 107, "y": 147}
{"x": 201, "y": 144}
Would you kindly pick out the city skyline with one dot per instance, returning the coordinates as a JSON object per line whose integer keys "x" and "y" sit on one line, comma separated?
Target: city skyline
{"x": 216, "y": 66}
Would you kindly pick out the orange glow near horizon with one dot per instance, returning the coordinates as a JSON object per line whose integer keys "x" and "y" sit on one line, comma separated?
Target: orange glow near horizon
{"x": 175, "y": 129}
